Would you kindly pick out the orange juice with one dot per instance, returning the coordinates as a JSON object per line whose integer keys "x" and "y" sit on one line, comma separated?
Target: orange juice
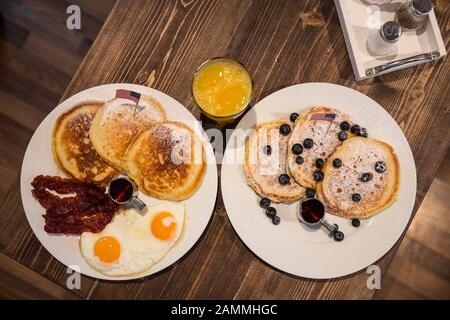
{"x": 222, "y": 88}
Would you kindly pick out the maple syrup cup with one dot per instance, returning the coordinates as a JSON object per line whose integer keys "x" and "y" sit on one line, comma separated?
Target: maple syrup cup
{"x": 311, "y": 212}
{"x": 124, "y": 191}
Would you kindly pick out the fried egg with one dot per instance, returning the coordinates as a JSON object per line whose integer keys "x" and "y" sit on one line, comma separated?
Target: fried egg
{"x": 133, "y": 243}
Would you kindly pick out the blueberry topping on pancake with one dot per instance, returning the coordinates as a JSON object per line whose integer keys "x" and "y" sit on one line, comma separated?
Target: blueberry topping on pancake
{"x": 297, "y": 148}
{"x": 355, "y": 190}
{"x": 318, "y": 175}
{"x": 337, "y": 163}
{"x": 293, "y": 116}
{"x": 355, "y": 129}
{"x": 356, "y": 223}
{"x": 356, "y": 197}
{"x": 338, "y": 236}
{"x": 262, "y": 172}
{"x": 380, "y": 166}
{"x": 310, "y": 193}
{"x": 264, "y": 203}
{"x": 285, "y": 129}
{"x": 299, "y": 160}
{"x": 271, "y": 212}
{"x": 345, "y": 126}
{"x": 319, "y": 163}
{"x": 342, "y": 135}
{"x": 365, "y": 177}
{"x": 308, "y": 143}
{"x": 317, "y": 130}
{"x": 276, "y": 220}
{"x": 284, "y": 179}
{"x": 267, "y": 150}
{"x": 363, "y": 133}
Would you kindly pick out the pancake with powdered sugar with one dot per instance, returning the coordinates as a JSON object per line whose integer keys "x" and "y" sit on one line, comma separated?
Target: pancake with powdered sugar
{"x": 262, "y": 170}
{"x": 322, "y": 125}
{"x": 166, "y": 161}
{"x": 118, "y": 123}
{"x": 365, "y": 184}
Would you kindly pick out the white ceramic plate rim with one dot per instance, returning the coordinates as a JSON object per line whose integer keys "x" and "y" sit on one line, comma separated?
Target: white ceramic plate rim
{"x": 288, "y": 246}
{"x": 38, "y": 160}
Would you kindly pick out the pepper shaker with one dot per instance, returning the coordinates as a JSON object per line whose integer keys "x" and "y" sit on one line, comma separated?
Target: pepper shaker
{"x": 384, "y": 41}
{"x": 413, "y": 14}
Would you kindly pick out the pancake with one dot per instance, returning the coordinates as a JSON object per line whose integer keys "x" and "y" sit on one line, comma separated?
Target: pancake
{"x": 72, "y": 149}
{"x": 118, "y": 122}
{"x": 359, "y": 156}
{"x": 166, "y": 161}
{"x": 263, "y": 170}
{"x": 324, "y": 134}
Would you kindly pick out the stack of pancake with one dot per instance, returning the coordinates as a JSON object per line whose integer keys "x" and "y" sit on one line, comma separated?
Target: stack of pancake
{"x": 322, "y": 152}
{"x": 95, "y": 141}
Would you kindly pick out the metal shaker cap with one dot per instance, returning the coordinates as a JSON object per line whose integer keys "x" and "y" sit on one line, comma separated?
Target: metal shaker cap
{"x": 421, "y": 7}
{"x": 391, "y": 31}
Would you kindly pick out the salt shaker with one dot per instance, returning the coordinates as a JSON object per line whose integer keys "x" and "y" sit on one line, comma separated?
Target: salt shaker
{"x": 384, "y": 41}
{"x": 413, "y": 14}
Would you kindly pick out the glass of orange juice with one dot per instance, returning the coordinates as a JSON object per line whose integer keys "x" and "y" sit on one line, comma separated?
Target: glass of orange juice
{"x": 222, "y": 89}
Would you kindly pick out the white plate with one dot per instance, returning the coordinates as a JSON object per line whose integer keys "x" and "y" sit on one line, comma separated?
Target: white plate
{"x": 38, "y": 160}
{"x": 290, "y": 246}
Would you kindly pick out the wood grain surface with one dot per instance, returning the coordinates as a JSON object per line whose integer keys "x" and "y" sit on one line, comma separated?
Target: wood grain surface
{"x": 160, "y": 44}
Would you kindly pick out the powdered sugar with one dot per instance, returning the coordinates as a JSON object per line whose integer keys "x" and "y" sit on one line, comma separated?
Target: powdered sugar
{"x": 123, "y": 108}
{"x": 359, "y": 158}
{"x": 266, "y": 168}
{"x": 324, "y": 134}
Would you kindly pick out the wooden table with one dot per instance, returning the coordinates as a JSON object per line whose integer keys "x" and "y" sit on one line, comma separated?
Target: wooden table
{"x": 160, "y": 44}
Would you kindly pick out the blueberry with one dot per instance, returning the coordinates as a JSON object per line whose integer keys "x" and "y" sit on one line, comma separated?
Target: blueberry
{"x": 267, "y": 150}
{"x": 336, "y": 227}
{"x": 293, "y": 117}
{"x": 344, "y": 126}
{"x": 264, "y": 203}
{"x": 284, "y": 179}
{"x": 299, "y": 160}
{"x": 297, "y": 148}
{"x": 308, "y": 143}
{"x": 310, "y": 193}
{"x": 356, "y": 223}
{"x": 365, "y": 177}
{"x": 380, "y": 166}
{"x": 338, "y": 236}
{"x": 271, "y": 212}
{"x": 285, "y": 129}
{"x": 319, "y": 163}
{"x": 276, "y": 220}
{"x": 363, "y": 133}
{"x": 337, "y": 163}
{"x": 318, "y": 175}
{"x": 342, "y": 135}
{"x": 356, "y": 197}
{"x": 355, "y": 129}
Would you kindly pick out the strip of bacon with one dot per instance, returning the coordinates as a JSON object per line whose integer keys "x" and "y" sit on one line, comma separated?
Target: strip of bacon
{"x": 89, "y": 209}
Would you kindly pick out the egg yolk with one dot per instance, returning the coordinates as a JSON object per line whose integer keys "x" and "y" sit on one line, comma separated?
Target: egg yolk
{"x": 163, "y": 225}
{"x": 107, "y": 249}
